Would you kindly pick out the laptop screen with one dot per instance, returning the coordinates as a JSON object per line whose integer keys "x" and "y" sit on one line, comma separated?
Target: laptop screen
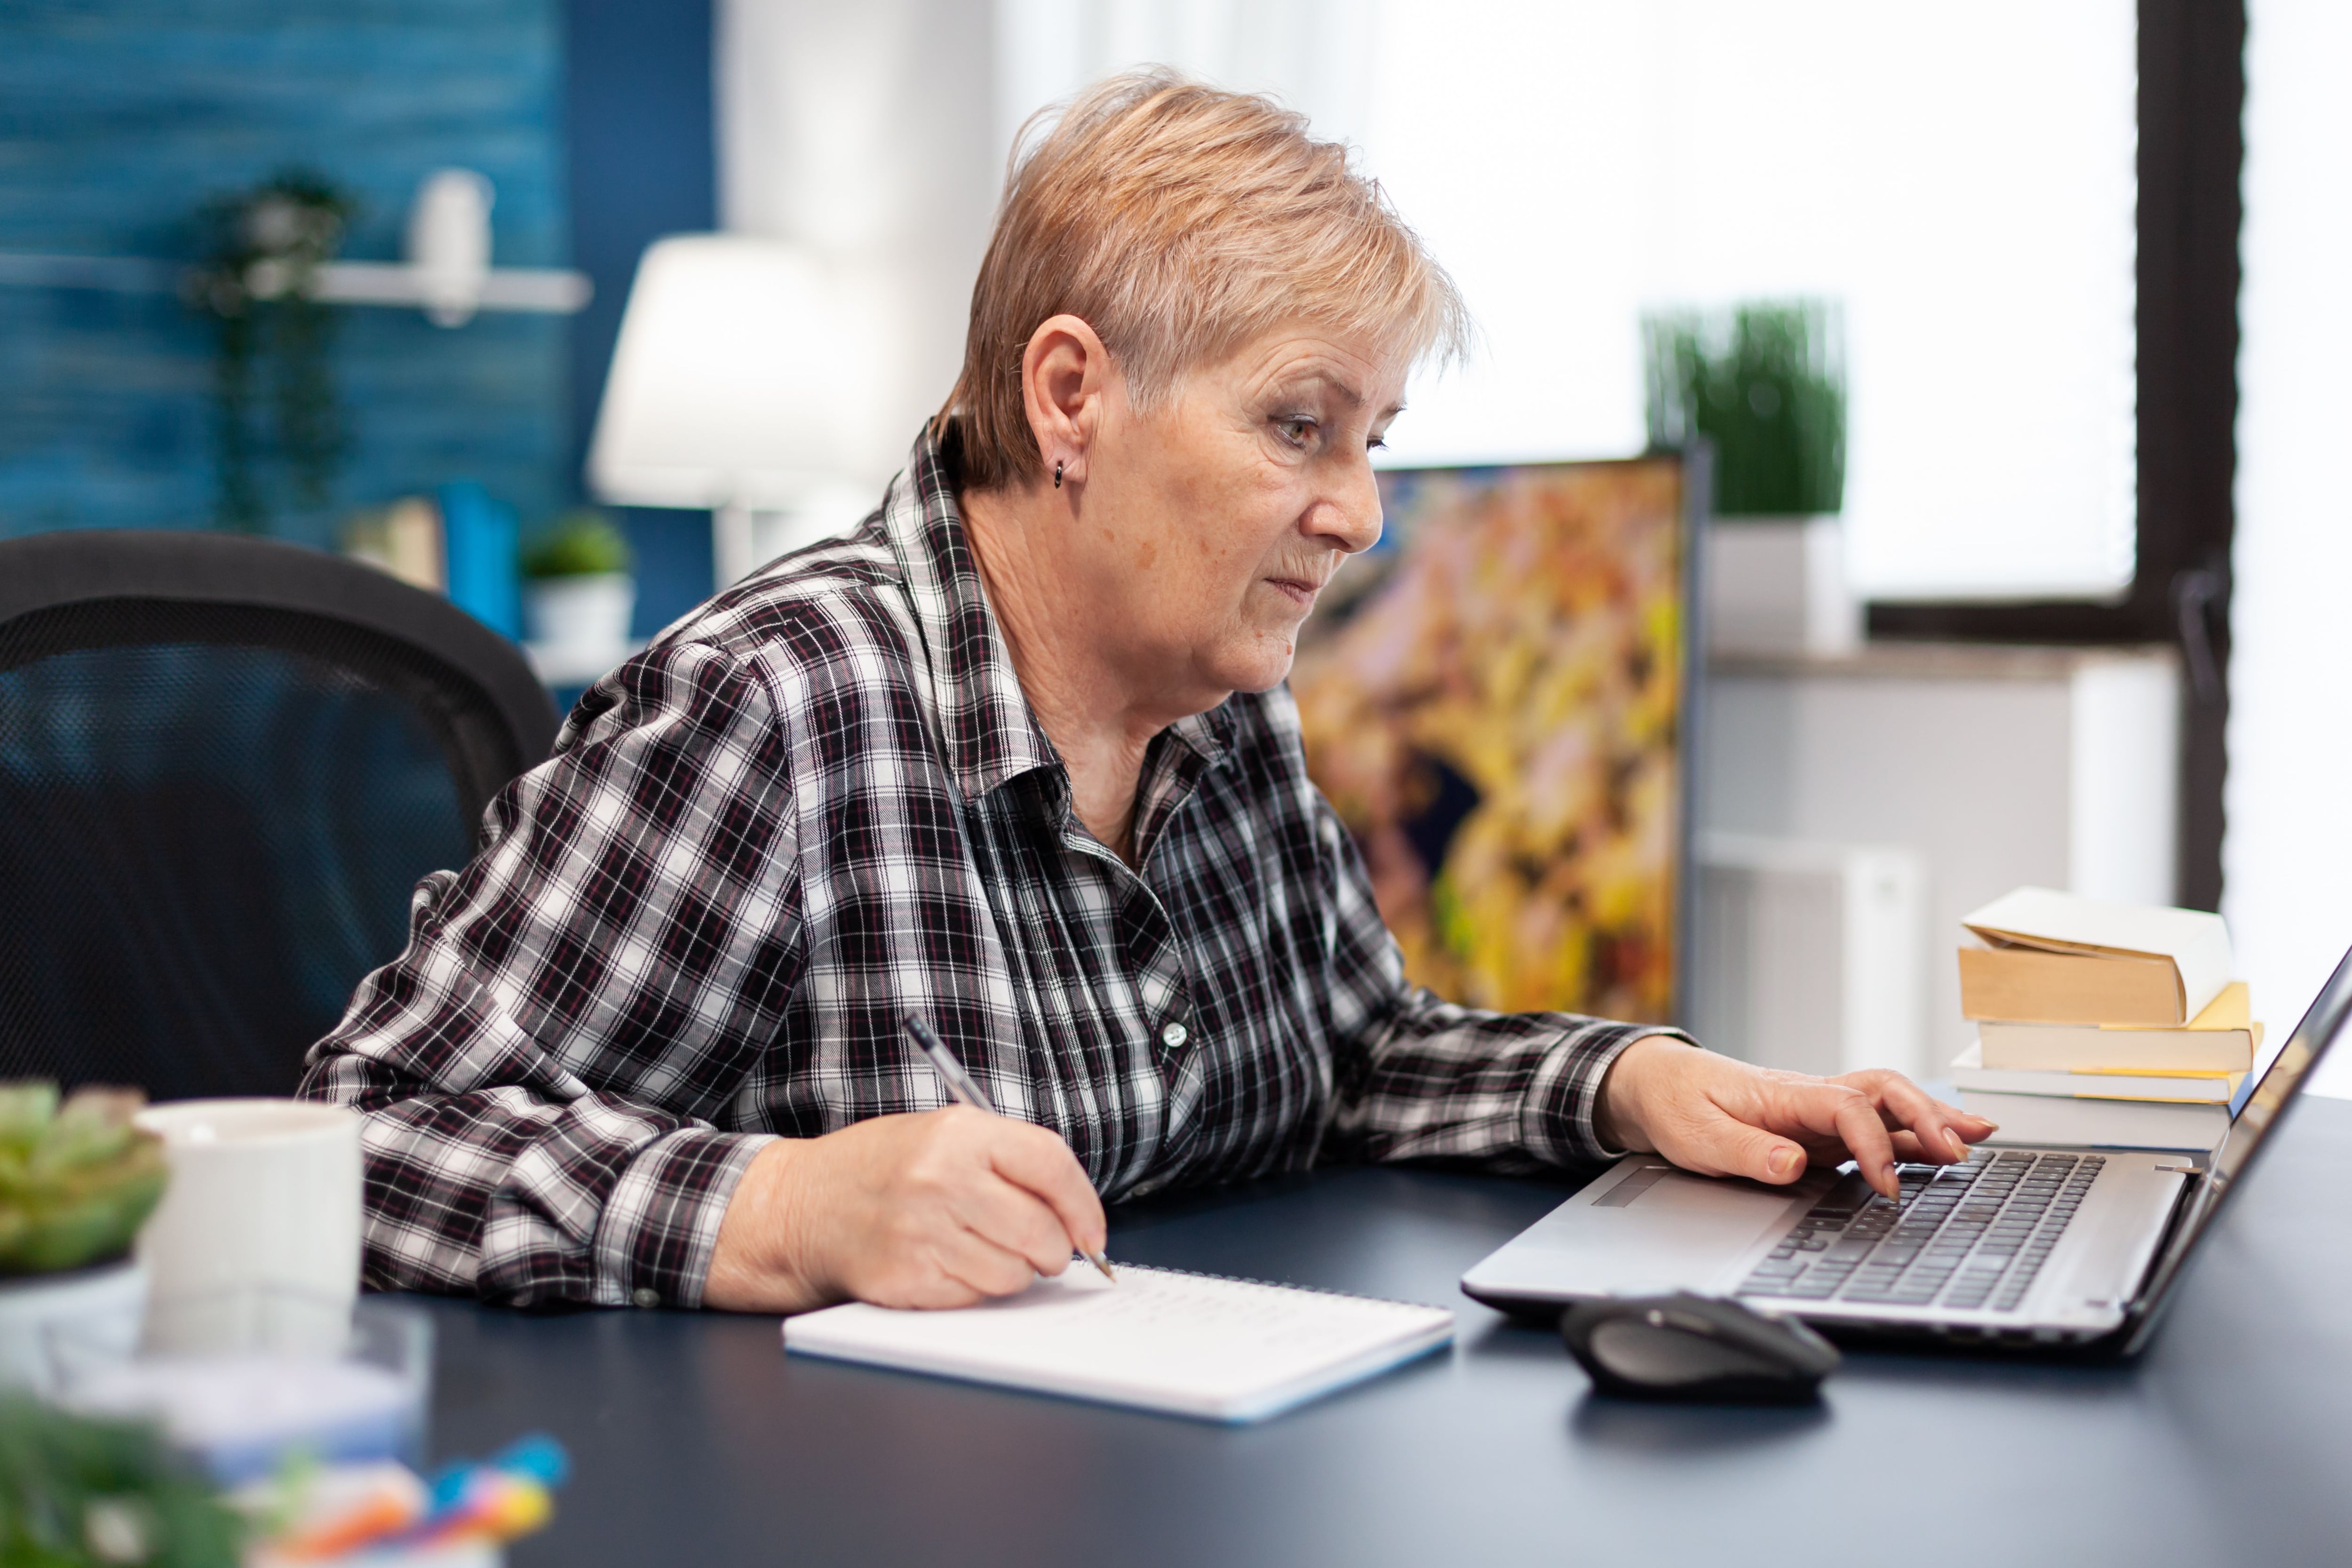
{"x": 2263, "y": 1105}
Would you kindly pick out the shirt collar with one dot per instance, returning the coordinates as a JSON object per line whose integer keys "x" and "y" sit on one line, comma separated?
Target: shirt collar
{"x": 991, "y": 734}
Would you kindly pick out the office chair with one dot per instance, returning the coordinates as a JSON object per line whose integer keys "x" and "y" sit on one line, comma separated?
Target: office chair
{"x": 225, "y": 762}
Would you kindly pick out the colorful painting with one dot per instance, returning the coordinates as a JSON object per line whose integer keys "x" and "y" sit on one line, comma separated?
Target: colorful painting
{"x": 1493, "y": 700}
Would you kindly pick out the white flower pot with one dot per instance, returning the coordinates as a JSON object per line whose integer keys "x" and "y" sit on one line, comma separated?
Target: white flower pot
{"x": 590, "y": 612}
{"x": 1777, "y": 585}
{"x": 108, "y": 1299}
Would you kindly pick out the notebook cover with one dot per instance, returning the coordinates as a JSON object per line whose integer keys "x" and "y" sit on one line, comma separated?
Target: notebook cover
{"x": 1186, "y": 1345}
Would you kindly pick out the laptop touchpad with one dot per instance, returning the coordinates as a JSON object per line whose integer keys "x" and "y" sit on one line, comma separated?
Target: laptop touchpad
{"x": 1674, "y": 1231}
{"x": 1746, "y": 1209}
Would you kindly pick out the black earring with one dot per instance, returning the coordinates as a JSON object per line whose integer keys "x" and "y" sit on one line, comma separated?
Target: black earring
{"x": 1057, "y": 476}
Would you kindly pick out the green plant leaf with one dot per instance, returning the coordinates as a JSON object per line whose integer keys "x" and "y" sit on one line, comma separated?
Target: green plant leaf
{"x": 1765, "y": 384}
{"x": 81, "y": 1493}
{"x": 77, "y": 1180}
{"x": 577, "y": 544}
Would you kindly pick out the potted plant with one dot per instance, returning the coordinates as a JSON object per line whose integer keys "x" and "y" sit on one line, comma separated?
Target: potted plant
{"x": 82, "y": 1493}
{"x": 1764, "y": 386}
{"x": 578, "y": 594}
{"x": 259, "y": 283}
{"x": 77, "y": 1180}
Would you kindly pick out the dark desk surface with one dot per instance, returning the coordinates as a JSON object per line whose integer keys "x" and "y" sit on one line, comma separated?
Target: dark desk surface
{"x": 696, "y": 1441}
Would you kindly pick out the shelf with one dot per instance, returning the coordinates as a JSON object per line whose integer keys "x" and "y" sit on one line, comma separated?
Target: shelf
{"x": 1890, "y": 661}
{"x": 547, "y": 290}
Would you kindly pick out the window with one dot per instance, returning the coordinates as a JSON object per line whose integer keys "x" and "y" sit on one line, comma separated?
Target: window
{"x": 2290, "y": 841}
{"x": 1960, "y": 178}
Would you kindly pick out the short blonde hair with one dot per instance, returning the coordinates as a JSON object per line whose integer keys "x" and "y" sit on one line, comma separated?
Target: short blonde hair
{"x": 1178, "y": 221}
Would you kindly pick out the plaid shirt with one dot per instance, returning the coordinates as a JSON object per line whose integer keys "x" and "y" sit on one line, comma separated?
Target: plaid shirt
{"x": 820, "y": 802}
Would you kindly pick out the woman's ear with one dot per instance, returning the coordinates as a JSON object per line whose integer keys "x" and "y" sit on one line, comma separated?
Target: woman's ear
{"x": 1065, "y": 373}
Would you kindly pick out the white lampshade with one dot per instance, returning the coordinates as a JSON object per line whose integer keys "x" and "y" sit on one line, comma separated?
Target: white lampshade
{"x": 737, "y": 381}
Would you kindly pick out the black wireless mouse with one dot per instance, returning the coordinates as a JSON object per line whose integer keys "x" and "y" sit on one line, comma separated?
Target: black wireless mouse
{"x": 1699, "y": 1348}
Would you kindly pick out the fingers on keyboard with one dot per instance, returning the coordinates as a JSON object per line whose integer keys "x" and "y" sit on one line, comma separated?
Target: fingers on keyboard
{"x": 1963, "y": 1236}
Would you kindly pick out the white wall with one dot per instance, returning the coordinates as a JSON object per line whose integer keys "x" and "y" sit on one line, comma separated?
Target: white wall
{"x": 1998, "y": 767}
{"x": 2123, "y": 794}
{"x": 2287, "y": 858}
{"x": 867, "y": 133}
{"x": 1971, "y": 773}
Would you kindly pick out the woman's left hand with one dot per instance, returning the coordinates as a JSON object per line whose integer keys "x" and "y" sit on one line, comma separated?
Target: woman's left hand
{"x": 1724, "y": 1118}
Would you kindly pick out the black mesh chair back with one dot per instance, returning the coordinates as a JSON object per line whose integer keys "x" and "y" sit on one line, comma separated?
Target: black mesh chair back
{"x": 225, "y": 764}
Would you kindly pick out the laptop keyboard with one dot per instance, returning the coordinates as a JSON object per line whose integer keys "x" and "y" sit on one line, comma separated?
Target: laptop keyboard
{"x": 1963, "y": 1236}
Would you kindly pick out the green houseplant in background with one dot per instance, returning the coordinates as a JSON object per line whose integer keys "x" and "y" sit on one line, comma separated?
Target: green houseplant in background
{"x": 77, "y": 1180}
{"x": 263, "y": 252}
{"x": 1764, "y": 384}
{"x": 578, "y": 597}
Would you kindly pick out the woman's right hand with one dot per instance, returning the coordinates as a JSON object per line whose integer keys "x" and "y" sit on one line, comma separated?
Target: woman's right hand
{"x": 937, "y": 1208}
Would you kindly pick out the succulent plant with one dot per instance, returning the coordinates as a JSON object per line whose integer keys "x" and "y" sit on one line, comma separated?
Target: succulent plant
{"x": 81, "y": 1493}
{"x": 76, "y": 1179}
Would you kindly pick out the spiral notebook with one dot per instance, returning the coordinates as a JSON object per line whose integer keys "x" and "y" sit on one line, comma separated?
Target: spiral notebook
{"x": 1189, "y": 1344}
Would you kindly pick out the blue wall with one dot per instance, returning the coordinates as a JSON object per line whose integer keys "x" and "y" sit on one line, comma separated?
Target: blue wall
{"x": 119, "y": 119}
{"x": 638, "y": 89}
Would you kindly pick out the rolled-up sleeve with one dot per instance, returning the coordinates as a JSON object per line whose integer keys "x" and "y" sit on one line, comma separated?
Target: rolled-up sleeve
{"x": 540, "y": 1067}
{"x": 1418, "y": 1078}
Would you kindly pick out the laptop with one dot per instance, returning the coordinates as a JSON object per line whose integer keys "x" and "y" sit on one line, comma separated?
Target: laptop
{"x": 2023, "y": 1246}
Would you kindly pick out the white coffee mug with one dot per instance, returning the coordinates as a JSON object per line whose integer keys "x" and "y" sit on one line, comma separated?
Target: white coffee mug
{"x": 257, "y": 1242}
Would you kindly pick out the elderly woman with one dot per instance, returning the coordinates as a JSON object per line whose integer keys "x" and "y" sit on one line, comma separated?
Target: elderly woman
{"x": 1015, "y": 758}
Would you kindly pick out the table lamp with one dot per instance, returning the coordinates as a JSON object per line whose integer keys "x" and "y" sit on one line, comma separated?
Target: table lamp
{"x": 738, "y": 385}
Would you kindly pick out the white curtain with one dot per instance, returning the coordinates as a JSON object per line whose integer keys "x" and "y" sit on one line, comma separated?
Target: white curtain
{"x": 2287, "y": 858}
{"x": 1316, "y": 55}
{"x": 1959, "y": 176}
{"x": 864, "y": 133}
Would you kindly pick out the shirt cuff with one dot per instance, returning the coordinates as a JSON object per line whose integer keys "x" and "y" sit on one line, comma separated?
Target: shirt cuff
{"x": 1565, "y": 1093}
{"x": 660, "y": 1224}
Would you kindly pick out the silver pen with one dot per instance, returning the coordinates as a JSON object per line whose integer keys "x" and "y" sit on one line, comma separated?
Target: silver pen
{"x": 962, "y": 1088}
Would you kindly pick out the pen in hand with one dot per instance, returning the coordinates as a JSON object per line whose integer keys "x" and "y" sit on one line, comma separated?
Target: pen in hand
{"x": 967, "y": 1092}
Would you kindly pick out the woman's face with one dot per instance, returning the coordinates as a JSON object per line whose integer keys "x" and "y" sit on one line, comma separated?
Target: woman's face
{"x": 1208, "y": 525}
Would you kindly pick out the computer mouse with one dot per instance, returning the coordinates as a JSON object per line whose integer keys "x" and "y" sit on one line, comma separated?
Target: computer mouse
{"x": 1700, "y": 1348}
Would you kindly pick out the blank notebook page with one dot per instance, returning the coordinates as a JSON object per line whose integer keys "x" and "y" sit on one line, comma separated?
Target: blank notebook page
{"x": 1193, "y": 1344}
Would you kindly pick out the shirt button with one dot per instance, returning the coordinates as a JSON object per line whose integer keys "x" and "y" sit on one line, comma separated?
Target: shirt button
{"x": 646, "y": 1296}
{"x": 1173, "y": 1035}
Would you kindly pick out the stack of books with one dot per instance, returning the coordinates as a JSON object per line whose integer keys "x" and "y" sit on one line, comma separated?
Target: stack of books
{"x": 2103, "y": 1023}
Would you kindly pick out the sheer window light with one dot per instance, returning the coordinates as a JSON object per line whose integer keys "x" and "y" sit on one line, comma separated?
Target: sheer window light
{"x": 2287, "y": 858}
{"x": 1962, "y": 178}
